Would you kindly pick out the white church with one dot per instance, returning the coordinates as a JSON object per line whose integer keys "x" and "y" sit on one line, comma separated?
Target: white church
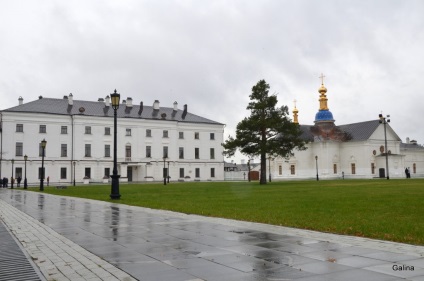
{"x": 355, "y": 150}
{"x": 79, "y": 136}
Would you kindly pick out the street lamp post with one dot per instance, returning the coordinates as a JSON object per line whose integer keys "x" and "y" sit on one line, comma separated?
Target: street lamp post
{"x": 269, "y": 168}
{"x": 74, "y": 171}
{"x": 12, "y": 180}
{"x": 385, "y": 121}
{"x": 164, "y": 171}
{"x": 248, "y": 170}
{"x": 115, "y": 177}
{"x": 167, "y": 172}
{"x": 316, "y": 164}
{"x": 25, "y": 178}
{"x": 43, "y": 147}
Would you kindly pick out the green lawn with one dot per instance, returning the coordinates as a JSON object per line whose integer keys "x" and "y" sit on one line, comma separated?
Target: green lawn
{"x": 382, "y": 209}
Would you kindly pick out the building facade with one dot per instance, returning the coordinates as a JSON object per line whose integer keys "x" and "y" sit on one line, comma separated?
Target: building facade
{"x": 153, "y": 142}
{"x": 349, "y": 151}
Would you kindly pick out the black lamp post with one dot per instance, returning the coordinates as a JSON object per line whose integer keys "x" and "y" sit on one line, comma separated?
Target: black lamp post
{"x": 12, "y": 179}
{"x": 43, "y": 147}
{"x": 25, "y": 178}
{"x": 167, "y": 172}
{"x": 316, "y": 163}
{"x": 385, "y": 121}
{"x": 74, "y": 171}
{"x": 164, "y": 171}
{"x": 248, "y": 169}
{"x": 115, "y": 177}
{"x": 269, "y": 168}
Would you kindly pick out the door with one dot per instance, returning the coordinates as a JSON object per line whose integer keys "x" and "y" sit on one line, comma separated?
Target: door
{"x": 129, "y": 174}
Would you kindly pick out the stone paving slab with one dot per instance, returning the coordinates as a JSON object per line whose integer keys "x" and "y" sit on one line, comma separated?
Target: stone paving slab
{"x": 162, "y": 245}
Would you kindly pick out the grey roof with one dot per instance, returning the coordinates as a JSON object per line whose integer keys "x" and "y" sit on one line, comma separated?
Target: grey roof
{"x": 90, "y": 108}
{"x": 411, "y": 146}
{"x": 362, "y": 130}
{"x": 354, "y": 132}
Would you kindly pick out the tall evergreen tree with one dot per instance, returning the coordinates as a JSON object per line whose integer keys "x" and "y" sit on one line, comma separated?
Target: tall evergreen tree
{"x": 268, "y": 130}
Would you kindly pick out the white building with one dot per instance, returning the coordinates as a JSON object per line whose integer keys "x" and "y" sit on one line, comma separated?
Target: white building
{"x": 352, "y": 151}
{"x": 79, "y": 137}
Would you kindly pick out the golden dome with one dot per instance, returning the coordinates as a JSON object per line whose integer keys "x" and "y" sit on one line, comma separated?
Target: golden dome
{"x": 322, "y": 89}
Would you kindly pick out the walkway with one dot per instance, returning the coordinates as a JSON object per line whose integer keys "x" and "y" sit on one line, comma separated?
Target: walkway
{"x": 79, "y": 239}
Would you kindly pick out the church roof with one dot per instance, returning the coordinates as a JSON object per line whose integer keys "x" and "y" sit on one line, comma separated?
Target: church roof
{"x": 99, "y": 109}
{"x": 354, "y": 132}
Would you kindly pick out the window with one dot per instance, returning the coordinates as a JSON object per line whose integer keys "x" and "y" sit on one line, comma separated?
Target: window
{"x": 87, "y": 130}
{"x": 87, "y": 150}
{"x": 63, "y": 150}
{"x": 165, "y": 152}
{"x": 63, "y": 173}
{"x": 353, "y": 167}
{"x": 128, "y": 132}
{"x": 43, "y": 129}
{"x": 181, "y": 172}
{"x": 372, "y": 168}
{"x": 19, "y": 149}
{"x": 19, "y": 128}
{"x": 107, "y": 131}
{"x": 107, "y": 150}
{"x": 165, "y": 133}
{"x": 280, "y": 170}
{"x": 212, "y": 152}
{"x": 18, "y": 172}
{"x": 196, "y": 135}
{"x": 212, "y": 136}
{"x": 148, "y": 133}
{"x": 212, "y": 172}
{"x": 197, "y": 172}
{"x": 335, "y": 169}
{"x": 87, "y": 172}
{"x": 107, "y": 172}
{"x": 64, "y": 130}
{"x": 181, "y": 153}
{"x": 128, "y": 153}
{"x": 196, "y": 153}
{"x": 414, "y": 168}
{"x": 181, "y": 135}
{"x": 148, "y": 151}
{"x": 40, "y": 150}
{"x": 292, "y": 169}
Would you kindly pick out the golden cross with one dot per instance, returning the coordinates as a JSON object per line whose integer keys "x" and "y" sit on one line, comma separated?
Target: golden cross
{"x": 322, "y": 78}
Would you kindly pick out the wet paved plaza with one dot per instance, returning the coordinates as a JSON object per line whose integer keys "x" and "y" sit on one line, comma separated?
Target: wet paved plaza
{"x": 160, "y": 245}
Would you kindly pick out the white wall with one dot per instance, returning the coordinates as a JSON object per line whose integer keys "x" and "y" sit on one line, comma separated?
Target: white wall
{"x": 30, "y": 137}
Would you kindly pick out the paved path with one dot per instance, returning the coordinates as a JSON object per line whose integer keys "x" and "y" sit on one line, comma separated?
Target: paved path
{"x": 79, "y": 239}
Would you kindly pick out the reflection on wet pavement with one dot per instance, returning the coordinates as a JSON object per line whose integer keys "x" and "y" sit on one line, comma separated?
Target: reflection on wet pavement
{"x": 160, "y": 246}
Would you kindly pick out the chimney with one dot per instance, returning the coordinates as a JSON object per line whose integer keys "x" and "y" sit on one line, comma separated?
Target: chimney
{"x": 175, "y": 106}
{"x": 21, "y": 101}
{"x": 129, "y": 102}
{"x": 414, "y": 142}
{"x": 71, "y": 99}
{"x": 185, "y": 111}
{"x": 124, "y": 102}
{"x": 156, "y": 105}
{"x": 141, "y": 108}
{"x": 107, "y": 101}
{"x": 407, "y": 140}
{"x": 101, "y": 100}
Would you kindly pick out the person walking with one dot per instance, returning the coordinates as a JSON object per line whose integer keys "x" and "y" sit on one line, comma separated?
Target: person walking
{"x": 19, "y": 181}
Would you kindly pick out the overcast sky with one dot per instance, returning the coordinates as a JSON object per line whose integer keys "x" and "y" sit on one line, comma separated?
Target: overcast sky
{"x": 209, "y": 55}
